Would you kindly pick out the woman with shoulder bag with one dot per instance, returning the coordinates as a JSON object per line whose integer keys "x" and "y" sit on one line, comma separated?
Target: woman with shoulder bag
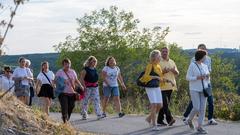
{"x": 198, "y": 76}
{"x": 153, "y": 72}
{"x": 45, "y": 78}
{"x": 68, "y": 97}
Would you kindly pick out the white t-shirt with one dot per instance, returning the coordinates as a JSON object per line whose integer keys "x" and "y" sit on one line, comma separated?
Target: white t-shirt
{"x": 44, "y": 79}
{"x": 6, "y": 83}
{"x": 112, "y": 75}
{"x": 22, "y": 72}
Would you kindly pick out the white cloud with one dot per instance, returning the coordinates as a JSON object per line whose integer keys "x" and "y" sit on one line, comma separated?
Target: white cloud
{"x": 40, "y": 24}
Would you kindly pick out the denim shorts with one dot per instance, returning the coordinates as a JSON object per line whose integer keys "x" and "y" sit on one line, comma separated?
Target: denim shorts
{"x": 23, "y": 90}
{"x": 108, "y": 91}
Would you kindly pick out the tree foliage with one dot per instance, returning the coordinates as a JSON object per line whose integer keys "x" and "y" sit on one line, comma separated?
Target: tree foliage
{"x": 113, "y": 32}
{"x": 4, "y": 23}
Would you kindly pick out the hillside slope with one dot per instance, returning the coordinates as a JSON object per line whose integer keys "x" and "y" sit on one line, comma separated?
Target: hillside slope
{"x": 18, "y": 119}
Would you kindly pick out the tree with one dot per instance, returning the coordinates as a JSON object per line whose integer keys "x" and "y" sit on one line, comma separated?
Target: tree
{"x": 9, "y": 24}
{"x": 110, "y": 32}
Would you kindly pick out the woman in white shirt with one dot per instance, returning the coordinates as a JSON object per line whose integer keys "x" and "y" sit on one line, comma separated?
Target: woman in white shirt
{"x": 45, "y": 79}
{"x": 6, "y": 82}
{"x": 22, "y": 78}
{"x": 198, "y": 77}
{"x": 111, "y": 75}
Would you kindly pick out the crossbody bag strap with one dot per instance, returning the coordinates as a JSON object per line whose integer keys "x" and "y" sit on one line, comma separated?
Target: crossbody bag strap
{"x": 200, "y": 73}
{"x": 69, "y": 79}
{"x": 47, "y": 78}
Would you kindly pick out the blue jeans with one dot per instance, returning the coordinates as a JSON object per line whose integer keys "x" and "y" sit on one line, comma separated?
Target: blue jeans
{"x": 108, "y": 91}
{"x": 210, "y": 108}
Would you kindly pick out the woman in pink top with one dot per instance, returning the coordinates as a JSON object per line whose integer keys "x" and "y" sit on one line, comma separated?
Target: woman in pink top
{"x": 67, "y": 98}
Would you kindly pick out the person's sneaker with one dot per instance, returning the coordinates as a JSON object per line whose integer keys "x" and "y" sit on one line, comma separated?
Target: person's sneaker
{"x": 212, "y": 122}
{"x": 84, "y": 116}
{"x": 190, "y": 124}
{"x": 121, "y": 114}
{"x": 185, "y": 120}
{"x": 201, "y": 131}
{"x": 161, "y": 124}
{"x": 155, "y": 128}
{"x": 171, "y": 122}
{"x": 100, "y": 117}
{"x": 104, "y": 115}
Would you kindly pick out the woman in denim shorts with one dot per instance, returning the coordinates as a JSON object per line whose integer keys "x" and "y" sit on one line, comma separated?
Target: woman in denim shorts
{"x": 111, "y": 75}
{"x": 22, "y": 77}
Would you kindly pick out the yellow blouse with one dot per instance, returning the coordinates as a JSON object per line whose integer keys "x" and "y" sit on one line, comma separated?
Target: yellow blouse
{"x": 156, "y": 68}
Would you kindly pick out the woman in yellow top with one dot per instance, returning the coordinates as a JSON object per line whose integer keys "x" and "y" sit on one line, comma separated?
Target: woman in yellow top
{"x": 154, "y": 93}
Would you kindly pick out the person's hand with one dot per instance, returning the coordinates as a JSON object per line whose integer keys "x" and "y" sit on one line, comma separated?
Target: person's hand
{"x": 166, "y": 70}
{"x": 172, "y": 69}
{"x": 156, "y": 77}
{"x": 201, "y": 77}
{"x": 124, "y": 87}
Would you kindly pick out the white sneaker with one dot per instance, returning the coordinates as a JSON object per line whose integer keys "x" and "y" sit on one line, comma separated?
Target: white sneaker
{"x": 84, "y": 117}
{"x": 185, "y": 120}
{"x": 155, "y": 128}
{"x": 212, "y": 122}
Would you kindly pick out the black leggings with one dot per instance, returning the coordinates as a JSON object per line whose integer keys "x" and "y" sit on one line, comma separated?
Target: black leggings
{"x": 67, "y": 102}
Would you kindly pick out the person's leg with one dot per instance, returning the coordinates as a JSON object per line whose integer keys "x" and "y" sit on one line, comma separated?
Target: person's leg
{"x": 49, "y": 102}
{"x": 151, "y": 97}
{"x": 163, "y": 109}
{"x": 167, "y": 112}
{"x": 195, "y": 97}
{"x": 44, "y": 104}
{"x": 188, "y": 110}
{"x": 117, "y": 104}
{"x": 106, "y": 93}
{"x": 85, "y": 102}
{"x": 201, "y": 117}
{"x": 96, "y": 101}
{"x": 26, "y": 100}
{"x": 63, "y": 99}
{"x": 210, "y": 107}
{"x": 71, "y": 105}
{"x": 31, "y": 96}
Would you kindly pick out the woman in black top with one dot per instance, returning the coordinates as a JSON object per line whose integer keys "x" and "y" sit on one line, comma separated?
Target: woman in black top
{"x": 89, "y": 79}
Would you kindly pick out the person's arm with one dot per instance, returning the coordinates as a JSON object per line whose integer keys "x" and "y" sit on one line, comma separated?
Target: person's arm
{"x": 82, "y": 76}
{"x": 147, "y": 77}
{"x": 190, "y": 76}
{"x": 174, "y": 70}
{"x": 29, "y": 75}
{"x": 120, "y": 79}
{"x": 78, "y": 82}
{"x": 104, "y": 76}
{"x": 37, "y": 86}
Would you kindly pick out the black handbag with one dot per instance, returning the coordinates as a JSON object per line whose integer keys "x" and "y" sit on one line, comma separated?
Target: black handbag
{"x": 152, "y": 83}
{"x": 206, "y": 91}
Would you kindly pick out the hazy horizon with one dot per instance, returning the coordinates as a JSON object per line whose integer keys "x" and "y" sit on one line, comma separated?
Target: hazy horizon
{"x": 40, "y": 24}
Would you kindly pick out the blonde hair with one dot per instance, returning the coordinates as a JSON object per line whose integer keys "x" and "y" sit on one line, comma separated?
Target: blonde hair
{"x": 154, "y": 54}
{"x": 108, "y": 59}
{"x": 87, "y": 62}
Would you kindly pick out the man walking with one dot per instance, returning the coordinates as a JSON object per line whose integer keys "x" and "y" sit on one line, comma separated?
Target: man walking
{"x": 170, "y": 71}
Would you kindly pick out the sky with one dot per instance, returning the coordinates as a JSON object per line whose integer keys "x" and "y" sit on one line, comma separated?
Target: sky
{"x": 40, "y": 24}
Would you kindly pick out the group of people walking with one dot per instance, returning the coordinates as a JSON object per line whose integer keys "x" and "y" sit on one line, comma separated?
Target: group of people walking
{"x": 160, "y": 68}
{"x": 47, "y": 82}
{"x": 165, "y": 70}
